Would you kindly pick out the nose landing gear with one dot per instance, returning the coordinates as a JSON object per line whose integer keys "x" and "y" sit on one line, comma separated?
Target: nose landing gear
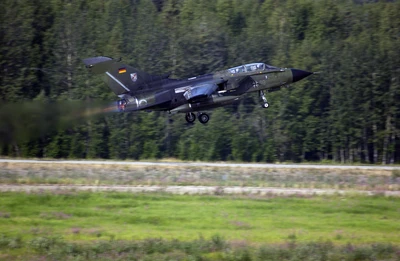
{"x": 262, "y": 95}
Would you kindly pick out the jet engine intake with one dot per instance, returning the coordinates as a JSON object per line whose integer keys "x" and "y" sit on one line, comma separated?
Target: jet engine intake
{"x": 199, "y": 93}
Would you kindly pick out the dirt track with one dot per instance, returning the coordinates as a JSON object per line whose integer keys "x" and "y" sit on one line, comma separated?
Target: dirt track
{"x": 210, "y": 190}
{"x": 197, "y": 178}
{"x": 203, "y": 164}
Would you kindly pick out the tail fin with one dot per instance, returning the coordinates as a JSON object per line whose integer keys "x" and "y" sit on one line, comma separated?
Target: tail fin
{"x": 121, "y": 78}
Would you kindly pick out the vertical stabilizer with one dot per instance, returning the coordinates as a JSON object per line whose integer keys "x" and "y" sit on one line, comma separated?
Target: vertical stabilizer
{"x": 121, "y": 78}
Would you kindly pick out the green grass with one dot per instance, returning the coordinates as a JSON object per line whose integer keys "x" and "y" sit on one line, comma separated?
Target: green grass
{"x": 84, "y": 216}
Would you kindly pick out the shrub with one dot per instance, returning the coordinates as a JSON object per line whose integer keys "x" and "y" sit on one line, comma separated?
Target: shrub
{"x": 4, "y": 241}
{"x": 10, "y": 242}
{"x": 44, "y": 244}
{"x": 218, "y": 242}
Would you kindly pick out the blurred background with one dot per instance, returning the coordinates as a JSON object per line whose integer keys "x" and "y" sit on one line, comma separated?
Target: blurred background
{"x": 347, "y": 113}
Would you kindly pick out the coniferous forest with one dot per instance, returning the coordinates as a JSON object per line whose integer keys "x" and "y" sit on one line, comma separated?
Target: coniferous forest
{"x": 348, "y": 113}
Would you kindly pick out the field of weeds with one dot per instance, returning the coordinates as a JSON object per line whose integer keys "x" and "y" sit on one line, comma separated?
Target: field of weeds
{"x": 25, "y": 173}
{"x": 215, "y": 248}
{"x": 118, "y": 215}
{"x": 154, "y": 226}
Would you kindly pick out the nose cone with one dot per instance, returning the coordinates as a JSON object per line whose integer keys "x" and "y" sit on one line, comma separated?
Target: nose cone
{"x": 299, "y": 74}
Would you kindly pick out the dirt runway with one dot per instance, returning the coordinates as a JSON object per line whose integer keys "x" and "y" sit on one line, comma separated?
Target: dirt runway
{"x": 193, "y": 190}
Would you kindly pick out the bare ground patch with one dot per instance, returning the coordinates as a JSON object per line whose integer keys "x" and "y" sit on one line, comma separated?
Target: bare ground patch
{"x": 188, "y": 190}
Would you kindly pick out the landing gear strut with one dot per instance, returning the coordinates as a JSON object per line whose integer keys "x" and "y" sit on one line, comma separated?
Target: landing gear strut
{"x": 262, "y": 95}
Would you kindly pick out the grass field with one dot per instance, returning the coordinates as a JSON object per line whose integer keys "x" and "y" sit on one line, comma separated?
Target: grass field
{"x": 91, "y": 216}
{"x": 73, "y": 225}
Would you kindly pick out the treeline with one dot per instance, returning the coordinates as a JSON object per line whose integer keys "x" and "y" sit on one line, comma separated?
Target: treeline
{"x": 347, "y": 113}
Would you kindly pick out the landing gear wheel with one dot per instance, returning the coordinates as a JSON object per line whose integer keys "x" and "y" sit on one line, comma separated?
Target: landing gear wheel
{"x": 190, "y": 117}
{"x": 265, "y": 105}
{"x": 204, "y": 118}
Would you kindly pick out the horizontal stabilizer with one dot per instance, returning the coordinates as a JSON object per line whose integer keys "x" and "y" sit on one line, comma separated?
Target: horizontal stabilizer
{"x": 99, "y": 64}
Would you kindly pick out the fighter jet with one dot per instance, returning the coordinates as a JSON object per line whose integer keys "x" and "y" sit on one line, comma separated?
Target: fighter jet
{"x": 138, "y": 90}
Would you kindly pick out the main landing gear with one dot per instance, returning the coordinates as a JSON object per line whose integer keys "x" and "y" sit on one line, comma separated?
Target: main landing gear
{"x": 203, "y": 118}
{"x": 191, "y": 117}
{"x": 262, "y": 95}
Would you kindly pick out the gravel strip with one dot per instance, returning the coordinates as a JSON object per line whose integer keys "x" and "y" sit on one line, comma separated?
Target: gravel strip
{"x": 198, "y": 190}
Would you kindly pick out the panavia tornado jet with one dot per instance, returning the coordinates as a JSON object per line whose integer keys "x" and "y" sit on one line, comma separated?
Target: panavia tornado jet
{"x": 138, "y": 90}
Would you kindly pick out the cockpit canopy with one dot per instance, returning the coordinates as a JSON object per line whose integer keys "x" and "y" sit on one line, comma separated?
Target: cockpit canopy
{"x": 251, "y": 67}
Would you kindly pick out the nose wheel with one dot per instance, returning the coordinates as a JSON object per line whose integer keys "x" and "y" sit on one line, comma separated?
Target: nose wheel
{"x": 262, "y": 95}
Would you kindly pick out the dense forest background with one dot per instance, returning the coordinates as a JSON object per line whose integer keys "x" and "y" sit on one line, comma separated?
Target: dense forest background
{"x": 348, "y": 113}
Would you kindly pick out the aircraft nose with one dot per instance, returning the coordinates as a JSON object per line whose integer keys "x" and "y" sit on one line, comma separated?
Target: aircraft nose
{"x": 299, "y": 74}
